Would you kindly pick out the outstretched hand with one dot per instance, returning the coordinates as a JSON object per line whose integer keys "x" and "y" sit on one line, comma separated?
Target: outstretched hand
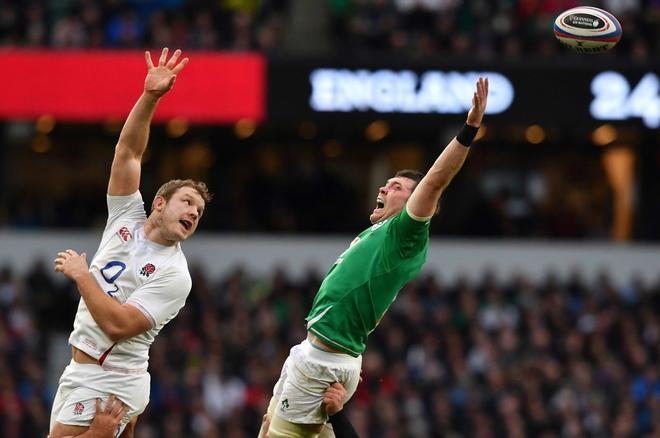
{"x": 160, "y": 78}
{"x": 479, "y": 100}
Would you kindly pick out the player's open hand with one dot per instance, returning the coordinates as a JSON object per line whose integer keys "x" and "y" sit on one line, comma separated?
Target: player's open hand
{"x": 334, "y": 397}
{"x": 107, "y": 420}
{"x": 160, "y": 78}
{"x": 479, "y": 100}
{"x": 71, "y": 264}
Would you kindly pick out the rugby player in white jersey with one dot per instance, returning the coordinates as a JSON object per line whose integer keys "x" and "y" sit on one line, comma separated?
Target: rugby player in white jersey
{"x": 137, "y": 281}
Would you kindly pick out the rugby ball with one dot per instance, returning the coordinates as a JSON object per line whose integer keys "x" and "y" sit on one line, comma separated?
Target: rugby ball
{"x": 587, "y": 30}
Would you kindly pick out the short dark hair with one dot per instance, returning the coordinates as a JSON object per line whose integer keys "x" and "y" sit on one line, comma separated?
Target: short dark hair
{"x": 414, "y": 175}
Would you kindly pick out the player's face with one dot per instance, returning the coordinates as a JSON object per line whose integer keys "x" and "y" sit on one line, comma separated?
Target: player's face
{"x": 391, "y": 198}
{"x": 182, "y": 213}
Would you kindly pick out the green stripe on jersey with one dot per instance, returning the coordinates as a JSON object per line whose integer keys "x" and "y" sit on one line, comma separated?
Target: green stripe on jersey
{"x": 365, "y": 280}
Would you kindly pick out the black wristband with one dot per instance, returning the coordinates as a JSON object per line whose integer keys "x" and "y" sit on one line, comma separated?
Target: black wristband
{"x": 467, "y": 134}
{"x": 342, "y": 426}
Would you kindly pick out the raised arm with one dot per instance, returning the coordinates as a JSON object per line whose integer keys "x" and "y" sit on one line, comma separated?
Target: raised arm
{"x": 424, "y": 200}
{"x": 126, "y": 166}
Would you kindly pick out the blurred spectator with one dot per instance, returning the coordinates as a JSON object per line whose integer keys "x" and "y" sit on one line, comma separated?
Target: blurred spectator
{"x": 124, "y": 30}
{"x": 235, "y": 25}
{"x": 408, "y": 27}
{"x": 469, "y": 27}
{"x": 517, "y": 359}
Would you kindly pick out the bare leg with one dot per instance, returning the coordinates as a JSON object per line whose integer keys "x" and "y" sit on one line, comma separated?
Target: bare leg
{"x": 64, "y": 430}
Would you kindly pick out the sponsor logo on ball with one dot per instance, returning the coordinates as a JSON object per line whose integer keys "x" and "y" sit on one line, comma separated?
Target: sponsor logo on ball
{"x": 584, "y": 21}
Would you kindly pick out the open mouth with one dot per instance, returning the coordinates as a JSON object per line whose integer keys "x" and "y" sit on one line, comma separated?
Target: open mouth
{"x": 379, "y": 204}
{"x": 186, "y": 224}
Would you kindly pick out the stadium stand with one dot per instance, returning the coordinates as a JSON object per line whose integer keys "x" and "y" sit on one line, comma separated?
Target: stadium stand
{"x": 463, "y": 358}
{"x": 419, "y": 28}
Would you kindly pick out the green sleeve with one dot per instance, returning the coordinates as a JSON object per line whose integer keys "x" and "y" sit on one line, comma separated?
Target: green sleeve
{"x": 406, "y": 236}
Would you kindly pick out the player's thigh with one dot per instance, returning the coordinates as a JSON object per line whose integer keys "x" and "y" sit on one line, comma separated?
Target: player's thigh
{"x": 78, "y": 409}
{"x": 58, "y": 402}
{"x": 281, "y": 428}
{"x": 327, "y": 431}
{"x": 277, "y": 390}
{"x": 277, "y": 427}
{"x": 60, "y": 430}
{"x": 266, "y": 419}
{"x": 129, "y": 430}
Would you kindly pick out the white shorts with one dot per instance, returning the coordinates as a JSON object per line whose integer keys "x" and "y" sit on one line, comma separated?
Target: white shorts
{"x": 80, "y": 386}
{"x": 306, "y": 375}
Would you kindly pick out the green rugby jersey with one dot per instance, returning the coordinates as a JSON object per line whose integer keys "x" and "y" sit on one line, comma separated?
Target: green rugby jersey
{"x": 365, "y": 280}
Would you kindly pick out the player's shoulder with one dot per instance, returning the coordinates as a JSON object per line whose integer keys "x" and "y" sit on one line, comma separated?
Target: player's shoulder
{"x": 120, "y": 200}
{"x": 125, "y": 207}
{"x": 405, "y": 226}
{"x": 181, "y": 260}
{"x": 405, "y": 216}
{"x": 176, "y": 276}
{"x": 179, "y": 265}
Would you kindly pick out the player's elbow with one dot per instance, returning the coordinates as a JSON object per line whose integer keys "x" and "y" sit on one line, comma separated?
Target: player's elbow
{"x": 120, "y": 333}
{"x": 126, "y": 323}
{"x": 114, "y": 332}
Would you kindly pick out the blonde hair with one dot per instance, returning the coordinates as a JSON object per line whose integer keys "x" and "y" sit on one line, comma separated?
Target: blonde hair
{"x": 169, "y": 188}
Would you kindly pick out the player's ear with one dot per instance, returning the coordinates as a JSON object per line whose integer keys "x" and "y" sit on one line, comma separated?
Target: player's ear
{"x": 158, "y": 204}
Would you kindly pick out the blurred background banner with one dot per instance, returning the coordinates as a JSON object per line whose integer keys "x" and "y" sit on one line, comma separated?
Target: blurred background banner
{"x": 95, "y": 86}
{"x": 224, "y": 87}
{"x": 398, "y": 90}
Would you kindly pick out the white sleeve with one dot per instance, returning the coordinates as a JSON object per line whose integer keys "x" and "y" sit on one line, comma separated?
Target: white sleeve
{"x": 162, "y": 298}
{"x": 129, "y": 207}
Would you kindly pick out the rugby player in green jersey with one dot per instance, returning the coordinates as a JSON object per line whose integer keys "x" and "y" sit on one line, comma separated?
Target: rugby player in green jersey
{"x": 362, "y": 284}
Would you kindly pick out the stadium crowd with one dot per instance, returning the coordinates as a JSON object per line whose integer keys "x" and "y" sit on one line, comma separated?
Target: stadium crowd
{"x": 412, "y": 27}
{"x": 483, "y": 359}
{"x": 483, "y": 28}
{"x": 123, "y": 24}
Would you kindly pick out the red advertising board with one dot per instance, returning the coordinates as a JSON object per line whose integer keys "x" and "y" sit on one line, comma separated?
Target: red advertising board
{"x": 92, "y": 86}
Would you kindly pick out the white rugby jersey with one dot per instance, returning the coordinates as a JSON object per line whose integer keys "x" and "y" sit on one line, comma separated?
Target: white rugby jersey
{"x": 133, "y": 270}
